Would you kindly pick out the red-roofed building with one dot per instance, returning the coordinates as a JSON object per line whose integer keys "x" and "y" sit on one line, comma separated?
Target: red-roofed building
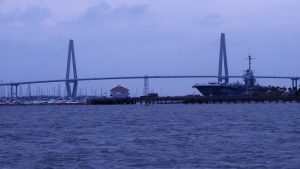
{"x": 119, "y": 92}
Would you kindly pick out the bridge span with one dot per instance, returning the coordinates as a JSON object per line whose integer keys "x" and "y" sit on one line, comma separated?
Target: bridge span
{"x": 72, "y": 90}
{"x": 142, "y": 77}
{"x": 14, "y": 85}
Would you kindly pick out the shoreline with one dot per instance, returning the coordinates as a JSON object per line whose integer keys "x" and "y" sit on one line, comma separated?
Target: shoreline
{"x": 171, "y": 100}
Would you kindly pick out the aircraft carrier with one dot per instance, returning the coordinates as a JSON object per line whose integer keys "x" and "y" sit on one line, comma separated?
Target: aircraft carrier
{"x": 249, "y": 86}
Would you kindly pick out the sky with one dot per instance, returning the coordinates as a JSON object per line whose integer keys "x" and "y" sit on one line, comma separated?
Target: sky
{"x": 148, "y": 37}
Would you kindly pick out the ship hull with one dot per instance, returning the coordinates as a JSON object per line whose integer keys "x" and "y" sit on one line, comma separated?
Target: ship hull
{"x": 211, "y": 90}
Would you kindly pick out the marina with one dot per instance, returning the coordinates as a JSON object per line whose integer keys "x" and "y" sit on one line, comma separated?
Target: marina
{"x": 196, "y": 99}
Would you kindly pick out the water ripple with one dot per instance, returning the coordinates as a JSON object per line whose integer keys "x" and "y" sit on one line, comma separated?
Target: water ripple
{"x": 159, "y": 136}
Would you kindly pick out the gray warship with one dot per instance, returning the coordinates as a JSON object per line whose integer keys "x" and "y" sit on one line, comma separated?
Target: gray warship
{"x": 224, "y": 88}
{"x": 248, "y": 87}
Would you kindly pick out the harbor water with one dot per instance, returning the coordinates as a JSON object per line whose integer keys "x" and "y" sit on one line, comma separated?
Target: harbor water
{"x": 158, "y": 136}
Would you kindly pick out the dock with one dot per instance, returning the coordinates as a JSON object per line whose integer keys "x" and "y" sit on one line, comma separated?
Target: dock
{"x": 194, "y": 100}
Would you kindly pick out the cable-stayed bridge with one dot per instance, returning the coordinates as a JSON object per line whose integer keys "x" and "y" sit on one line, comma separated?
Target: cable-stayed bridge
{"x": 14, "y": 85}
{"x": 72, "y": 89}
{"x": 141, "y": 77}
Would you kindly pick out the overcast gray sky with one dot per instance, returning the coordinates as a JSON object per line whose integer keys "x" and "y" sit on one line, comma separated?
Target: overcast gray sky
{"x": 153, "y": 37}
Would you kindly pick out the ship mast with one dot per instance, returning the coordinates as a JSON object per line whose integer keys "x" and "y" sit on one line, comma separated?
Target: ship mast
{"x": 250, "y": 59}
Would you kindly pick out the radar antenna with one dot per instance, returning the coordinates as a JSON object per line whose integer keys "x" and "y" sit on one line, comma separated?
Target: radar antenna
{"x": 250, "y": 58}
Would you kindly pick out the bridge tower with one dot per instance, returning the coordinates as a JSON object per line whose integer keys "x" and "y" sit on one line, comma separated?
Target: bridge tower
{"x": 223, "y": 59}
{"x": 71, "y": 93}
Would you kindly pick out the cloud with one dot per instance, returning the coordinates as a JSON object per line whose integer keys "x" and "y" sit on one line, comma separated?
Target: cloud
{"x": 103, "y": 13}
{"x": 28, "y": 16}
{"x": 210, "y": 20}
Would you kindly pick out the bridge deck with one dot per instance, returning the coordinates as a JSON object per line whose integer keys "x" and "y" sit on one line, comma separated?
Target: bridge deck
{"x": 140, "y": 77}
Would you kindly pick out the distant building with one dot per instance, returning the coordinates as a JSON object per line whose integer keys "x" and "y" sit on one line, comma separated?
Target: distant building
{"x": 119, "y": 92}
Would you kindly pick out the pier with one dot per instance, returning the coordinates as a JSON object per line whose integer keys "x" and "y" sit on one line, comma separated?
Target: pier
{"x": 194, "y": 100}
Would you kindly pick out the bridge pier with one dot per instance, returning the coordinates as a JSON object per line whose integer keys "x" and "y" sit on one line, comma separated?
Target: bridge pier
{"x": 294, "y": 84}
{"x": 146, "y": 85}
{"x": 14, "y": 91}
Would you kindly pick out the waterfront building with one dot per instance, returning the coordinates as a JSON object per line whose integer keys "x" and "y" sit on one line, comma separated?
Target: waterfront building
{"x": 119, "y": 92}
